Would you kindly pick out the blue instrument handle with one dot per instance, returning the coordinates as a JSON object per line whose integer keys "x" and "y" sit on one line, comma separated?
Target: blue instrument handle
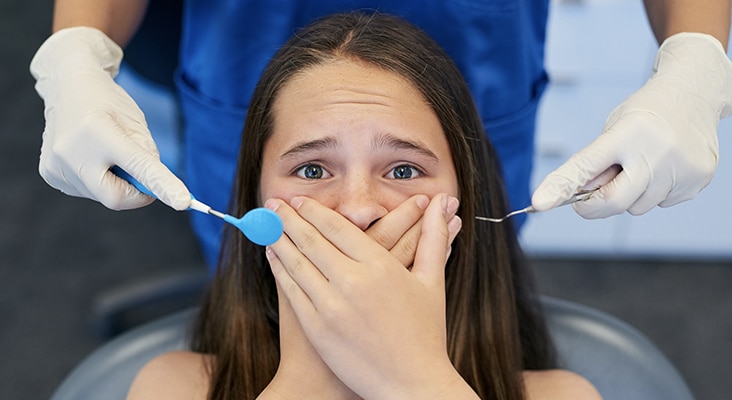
{"x": 132, "y": 181}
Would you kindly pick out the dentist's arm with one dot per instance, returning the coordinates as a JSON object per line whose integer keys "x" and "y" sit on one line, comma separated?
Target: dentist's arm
{"x": 658, "y": 147}
{"x": 118, "y": 19}
{"x": 669, "y": 17}
{"x": 92, "y": 124}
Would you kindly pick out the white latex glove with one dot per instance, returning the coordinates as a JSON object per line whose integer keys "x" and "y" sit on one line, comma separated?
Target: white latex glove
{"x": 659, "y": 147}
{"x": 92, "y": 124}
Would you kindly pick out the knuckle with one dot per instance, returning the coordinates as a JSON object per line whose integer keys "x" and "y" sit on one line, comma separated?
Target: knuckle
{"x": 297, "y": 266}
{"x": 331, "y": 228}
{"x": 598, "y": 210}
{"x": 307, "y": 239}
{"x": 405, "y": 250}
{"x": 382, "y": 236}
{"x": 332, "y": 311}
{"x": 639, "y": 210}
{"x": 356, "y": 287}
{"x": 113, "y": 202}
{"x": 291, "y": 288}
{"x": 46, "y": 173}
{"x": 348, "y": 285}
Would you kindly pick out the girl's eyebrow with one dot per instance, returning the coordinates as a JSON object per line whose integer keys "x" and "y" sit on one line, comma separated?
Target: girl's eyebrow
{"x": 389, "y": 140}
{"x": 311, "y": 145}
{"x": 384, "y": 140}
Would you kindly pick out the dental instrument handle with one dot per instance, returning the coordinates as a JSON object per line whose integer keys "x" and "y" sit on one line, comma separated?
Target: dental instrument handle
{"x": 582, "y": 195}
{"x": 132, "y": 181}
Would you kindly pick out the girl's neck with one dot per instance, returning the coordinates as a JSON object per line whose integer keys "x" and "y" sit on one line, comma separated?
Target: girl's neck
{"x": 302, "y": 373}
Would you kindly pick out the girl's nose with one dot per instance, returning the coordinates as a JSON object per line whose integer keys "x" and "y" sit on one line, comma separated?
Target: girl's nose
{"x": 360, "y": 203}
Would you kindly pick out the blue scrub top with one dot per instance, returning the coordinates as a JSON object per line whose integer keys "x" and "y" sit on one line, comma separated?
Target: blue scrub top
{"x": 225, "y": 45}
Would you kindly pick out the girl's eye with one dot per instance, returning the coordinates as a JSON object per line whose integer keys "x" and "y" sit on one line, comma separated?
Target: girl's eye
{"x": 312, "y": 171}
{"x": 403, "y": 172}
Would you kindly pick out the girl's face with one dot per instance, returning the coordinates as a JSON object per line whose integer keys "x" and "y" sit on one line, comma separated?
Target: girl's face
{"x": 356, "y": 138}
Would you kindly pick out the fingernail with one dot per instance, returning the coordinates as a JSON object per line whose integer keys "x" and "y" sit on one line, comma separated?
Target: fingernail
{"x": 444, "y": 202}
{"x": 455, "y": 224}
{"x": 272, "y": 204}
{"x": 296, "y": 202}
{"x": 452, "y": 205}
{"x": 269, "y": 253}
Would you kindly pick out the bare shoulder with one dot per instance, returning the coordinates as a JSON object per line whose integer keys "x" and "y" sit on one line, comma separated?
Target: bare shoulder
{"x": 558, "y": 384}
{"x": 174, "y": 375}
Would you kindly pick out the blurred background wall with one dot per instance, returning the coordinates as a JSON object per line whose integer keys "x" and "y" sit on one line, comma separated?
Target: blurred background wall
{"x": 668, "y": 273}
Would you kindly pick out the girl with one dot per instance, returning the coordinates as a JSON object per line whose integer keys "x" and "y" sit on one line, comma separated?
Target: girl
{"x": 363, "y": 137}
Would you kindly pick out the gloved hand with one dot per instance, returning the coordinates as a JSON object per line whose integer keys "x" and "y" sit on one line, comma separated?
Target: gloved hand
{"x": 659, "y": 147}
{"x": 92, "y": 124}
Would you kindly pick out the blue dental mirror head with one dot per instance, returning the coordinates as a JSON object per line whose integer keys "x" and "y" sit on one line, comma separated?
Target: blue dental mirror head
{"x": 260, "y": 225}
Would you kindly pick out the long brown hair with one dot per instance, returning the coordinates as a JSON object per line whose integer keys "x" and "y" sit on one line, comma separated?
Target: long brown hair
{"x": 495, "y": 329}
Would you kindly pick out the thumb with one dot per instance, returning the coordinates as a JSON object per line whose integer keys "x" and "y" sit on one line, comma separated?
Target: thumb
{"x": 166, "y": 186}
{"x": 147, "y": 169}
{"x": 589, "y": 169}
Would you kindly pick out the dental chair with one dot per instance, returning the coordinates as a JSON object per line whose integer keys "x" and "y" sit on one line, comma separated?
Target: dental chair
{"x": 619, "y": 360}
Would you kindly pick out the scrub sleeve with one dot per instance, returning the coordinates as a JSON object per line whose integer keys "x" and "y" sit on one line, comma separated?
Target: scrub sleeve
{"x": 497, "y": 44}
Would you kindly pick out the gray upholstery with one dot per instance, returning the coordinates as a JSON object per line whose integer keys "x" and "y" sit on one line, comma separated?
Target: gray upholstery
{"x": 621, "y": 362}
{"x": 107, "y": 373}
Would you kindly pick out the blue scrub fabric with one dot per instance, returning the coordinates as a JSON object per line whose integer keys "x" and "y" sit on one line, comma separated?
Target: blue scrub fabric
{"x": 225, "y": 45}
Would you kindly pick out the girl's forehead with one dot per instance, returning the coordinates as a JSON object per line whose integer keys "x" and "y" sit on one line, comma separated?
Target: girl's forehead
{"x": 342, "y": 79}
{"x": 343, "y": 98}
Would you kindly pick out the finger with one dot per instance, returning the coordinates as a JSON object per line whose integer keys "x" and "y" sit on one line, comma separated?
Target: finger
{"x": 604, "y": 177}
{"x": 311, "y": 278}
{"x": 331, "y": 239}
{"x": 146, "y": 167}
{"x": 453, "y": 227}
{"x": 576, "y": 173}
{"x": 405, "y": 248}
{"x": 686, "y": 186}
{"x": 89, "y": 176}
{"x": 118, "y": 194}
{"x": 411, "y": 238}
{"x": 646, "y": 197}
{"x": 128, "y": 144}
{"x": 433, "y": 243}
{"x": 676, "y": 197}
{"x": 298, "y": 299}
{"x": 616, "y": 196}
{"x": 113, "y": 192}
{"x": 52, "y": 171}
{"x": 396, "y": 230}
{"x": 388, "y": 230}
{"x": 166, "y": 186}
{"x": 399, "y": 218}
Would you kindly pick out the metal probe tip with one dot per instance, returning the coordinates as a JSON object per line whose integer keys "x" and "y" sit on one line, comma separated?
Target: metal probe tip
{"x": 217, "y": 213}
